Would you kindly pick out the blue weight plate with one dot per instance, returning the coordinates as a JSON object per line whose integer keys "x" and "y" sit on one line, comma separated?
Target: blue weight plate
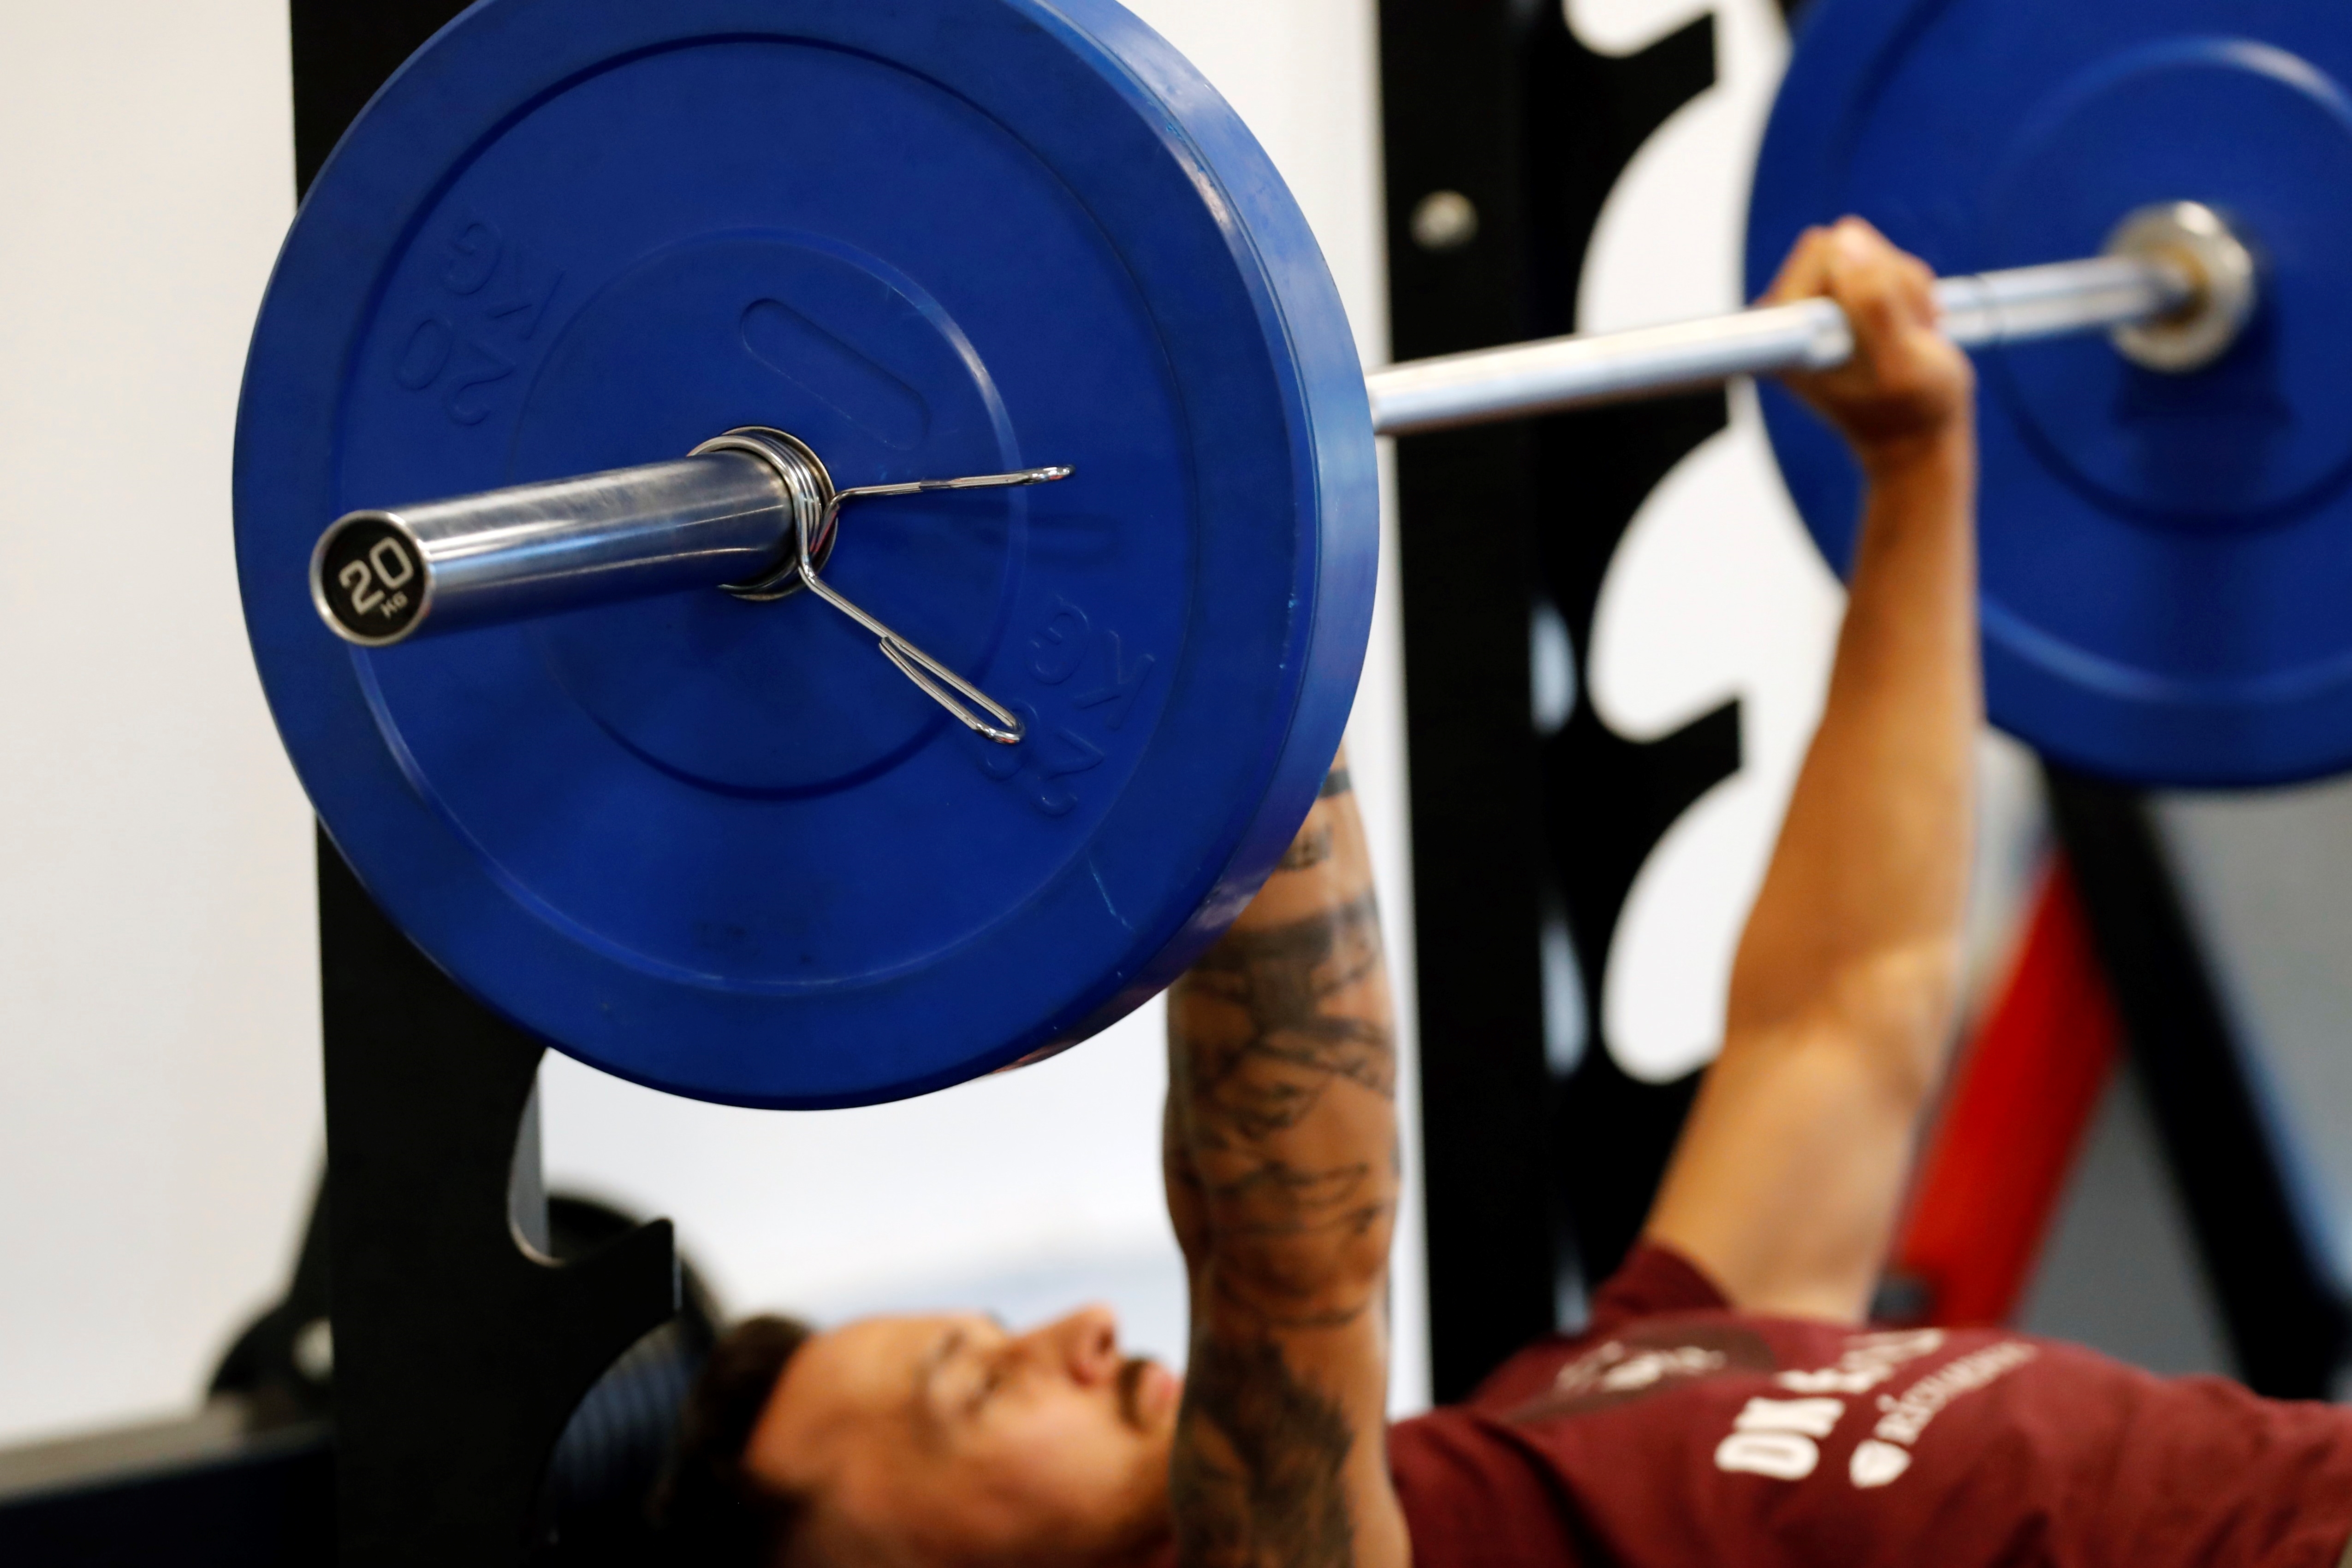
{"x": 2167, "y": 560}
{"x": 725, "y": 849}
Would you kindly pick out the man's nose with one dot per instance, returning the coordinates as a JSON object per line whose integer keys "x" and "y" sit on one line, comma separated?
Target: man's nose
{"x": 1085, "y": 1344}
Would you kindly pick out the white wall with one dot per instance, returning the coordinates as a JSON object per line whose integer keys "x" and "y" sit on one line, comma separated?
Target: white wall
{"x": 158, "y": 995}
{"x": 159, "y": 1122}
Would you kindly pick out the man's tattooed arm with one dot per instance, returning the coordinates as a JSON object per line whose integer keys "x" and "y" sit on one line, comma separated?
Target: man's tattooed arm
{"x": 1282, "y": 1179}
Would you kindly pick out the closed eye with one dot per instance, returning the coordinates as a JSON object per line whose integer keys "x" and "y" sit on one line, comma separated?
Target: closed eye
{"x": 990, "y": 1382}
{"x": 961, "y": 1372}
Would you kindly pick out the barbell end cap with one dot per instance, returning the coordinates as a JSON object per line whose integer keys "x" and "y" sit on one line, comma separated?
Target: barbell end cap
{"x": 371, "y": 580}
{"x": 2224, "y": 280}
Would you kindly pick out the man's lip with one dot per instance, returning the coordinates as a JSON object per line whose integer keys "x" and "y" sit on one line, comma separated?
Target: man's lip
{"x": 1150, "y": 1391}
{"x": 1159, "y": 1384}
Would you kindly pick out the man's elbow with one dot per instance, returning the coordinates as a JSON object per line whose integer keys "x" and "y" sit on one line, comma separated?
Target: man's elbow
{"x": 1900, "y": 1007}
{"x": 1892, "y": 1010}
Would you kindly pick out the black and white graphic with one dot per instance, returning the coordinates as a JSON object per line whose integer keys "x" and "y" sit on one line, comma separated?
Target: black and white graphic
{"x": 1642, "y": 718}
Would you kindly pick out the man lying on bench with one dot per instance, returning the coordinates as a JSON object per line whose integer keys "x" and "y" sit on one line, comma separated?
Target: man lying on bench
{"x": 1726, "y": 1405}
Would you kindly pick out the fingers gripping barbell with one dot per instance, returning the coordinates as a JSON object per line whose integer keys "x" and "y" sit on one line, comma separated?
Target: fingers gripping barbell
{"x": 839, "y": 254}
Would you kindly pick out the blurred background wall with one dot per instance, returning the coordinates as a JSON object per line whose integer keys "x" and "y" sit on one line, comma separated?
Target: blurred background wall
{"x": 159, "y": 1080}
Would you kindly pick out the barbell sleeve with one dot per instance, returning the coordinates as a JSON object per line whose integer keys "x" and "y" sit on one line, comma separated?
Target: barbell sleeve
{"x": 753, "y": 512}
{"x": 1582, "y": 372}
{"x": 381, "y": 574}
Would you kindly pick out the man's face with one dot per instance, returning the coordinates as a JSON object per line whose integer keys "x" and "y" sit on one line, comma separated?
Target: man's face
{"x": 948, "y": 1440}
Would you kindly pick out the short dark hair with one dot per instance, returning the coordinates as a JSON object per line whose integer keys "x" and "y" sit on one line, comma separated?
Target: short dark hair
{"x": 713, "y": 1512}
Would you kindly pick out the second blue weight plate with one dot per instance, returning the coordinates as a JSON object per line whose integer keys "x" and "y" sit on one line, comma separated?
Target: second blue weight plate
{"x": 725, "y": 849}
{"x": 2167, "y": 560}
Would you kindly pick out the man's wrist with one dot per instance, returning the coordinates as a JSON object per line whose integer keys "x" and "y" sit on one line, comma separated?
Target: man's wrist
{"x": 1939, "y": 454}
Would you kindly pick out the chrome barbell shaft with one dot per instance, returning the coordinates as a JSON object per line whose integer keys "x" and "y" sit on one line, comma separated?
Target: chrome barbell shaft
{"x": 1583, "y": 371}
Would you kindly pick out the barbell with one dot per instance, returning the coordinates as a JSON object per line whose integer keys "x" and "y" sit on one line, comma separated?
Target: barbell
{"x": 2174, "y": 291}
{"x": 649, "y": 295}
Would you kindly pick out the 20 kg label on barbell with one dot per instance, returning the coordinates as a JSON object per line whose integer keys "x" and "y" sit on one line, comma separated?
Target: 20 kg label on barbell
{"x": 371, "y": 580}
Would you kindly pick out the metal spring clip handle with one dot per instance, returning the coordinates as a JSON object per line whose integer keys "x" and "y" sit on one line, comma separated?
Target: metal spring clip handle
{"x": 817, "y": 513}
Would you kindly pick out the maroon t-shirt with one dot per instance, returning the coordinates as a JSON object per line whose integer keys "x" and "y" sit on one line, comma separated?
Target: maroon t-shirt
{"x": 1677, "y": 1432}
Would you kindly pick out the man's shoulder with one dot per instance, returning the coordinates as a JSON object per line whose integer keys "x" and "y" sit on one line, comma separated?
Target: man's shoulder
{"x": 1653, "y": 1286}
{"x": 1474, "y": 1497}
{"x": 1654, "y": 1281}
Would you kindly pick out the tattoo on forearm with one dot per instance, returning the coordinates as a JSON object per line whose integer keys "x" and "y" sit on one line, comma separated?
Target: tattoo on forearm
{"x": 1311, "y": 847}
{"x": 1266, "y": 1024}
{"x": 1278, "y": 1499}
{"x": 1274, "y": 1025}
{"x": 1335, "y": 783}
{"x": 1284, "y": 979}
